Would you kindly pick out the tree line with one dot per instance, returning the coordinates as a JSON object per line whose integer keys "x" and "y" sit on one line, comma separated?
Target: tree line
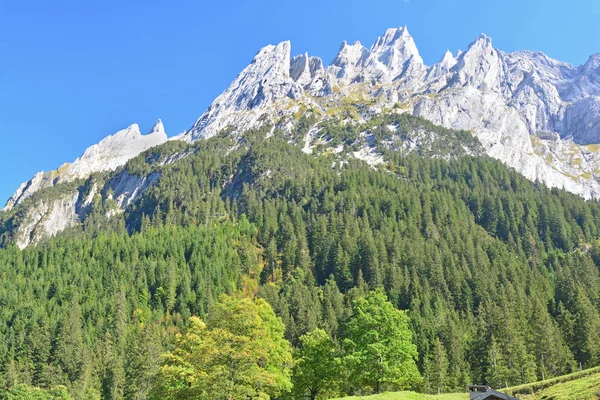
{"x": 498, "y": 275}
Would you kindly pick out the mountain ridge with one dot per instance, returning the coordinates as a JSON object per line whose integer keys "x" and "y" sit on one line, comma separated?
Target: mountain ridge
{"x": 108, "y": 154}
{"x": 516, "y": 96}
{"x": 537, "y": 115}
{"x": 530, "y": 82}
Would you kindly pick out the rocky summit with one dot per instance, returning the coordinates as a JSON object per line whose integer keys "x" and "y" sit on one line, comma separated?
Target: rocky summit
{"x": 112, "y": 152}
{"x": 537, "y": 115}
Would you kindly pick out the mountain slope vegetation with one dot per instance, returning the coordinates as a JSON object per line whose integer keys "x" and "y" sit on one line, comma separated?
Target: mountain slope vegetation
{"x": 499, "y": 276}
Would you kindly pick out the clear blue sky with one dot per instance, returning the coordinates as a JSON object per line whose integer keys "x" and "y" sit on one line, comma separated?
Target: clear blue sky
{"x": 72, "y": 71}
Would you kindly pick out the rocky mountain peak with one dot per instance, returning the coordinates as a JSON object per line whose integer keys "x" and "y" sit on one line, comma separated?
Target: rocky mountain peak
{"x": 304, "y": 68}
{"x": 300, "y": 68}
{"x": 481, "y": 66}
{"x": 502, "y": 97}
{"x": 273, "y": 55}
{"x": 586, "y": 81}
{"x": 447, "y": 58}
{"x": 110, "y": 153}
{"x": 512, "y": 102}
{"x": 393, "y": 55}
{"x": 115, "y": 150}
{"x": 264, "y": 81}
{"x": 131, "y": 132}
{"x": 482, "y": 40}
{"x": 346, "y": 64}
{"x": 392, "y": 38}
{"x": 442, "y": 67}
{"x": 593, "y": 62}
{"x": 158, "y": 128}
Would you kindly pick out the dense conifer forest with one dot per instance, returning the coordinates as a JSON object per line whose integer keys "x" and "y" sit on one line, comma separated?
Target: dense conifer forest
{"x": 437, "y": 269}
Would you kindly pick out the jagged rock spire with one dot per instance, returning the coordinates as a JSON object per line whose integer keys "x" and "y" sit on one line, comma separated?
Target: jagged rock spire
{"x": 347, "y": 63}
{"x": 110, "y": 153}
{"x": 266, "y": 79}
{"x": 481, "y": 66}
{"x": 304, "y": 68}
{"x": 158, "y": 128}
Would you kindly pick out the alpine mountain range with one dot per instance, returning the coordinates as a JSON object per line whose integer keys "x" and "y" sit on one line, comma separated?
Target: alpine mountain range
{"x": 536, "y": 114}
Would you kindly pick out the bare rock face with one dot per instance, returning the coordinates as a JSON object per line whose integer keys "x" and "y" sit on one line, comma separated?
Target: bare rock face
{"x": 127, "y": 188}
{"x": 508, "y": 100}
{"x": 538, "y": 115}
{"x": 346, "y": 66}
{"x": 582, "y": 120}
{"x": 48, "y": 217}
{"x": 303, "y": 69}
{"x": 538, "y": 104}
{"x": 266, "y": 80}
{"x": 442, "y": 67}
{"x": 586, "y": 81}
{"x": 114, "y": 151}
{"x": 111, "y": 153}
{"x": 394, "y": 56}
{"x": 481, "y": 67}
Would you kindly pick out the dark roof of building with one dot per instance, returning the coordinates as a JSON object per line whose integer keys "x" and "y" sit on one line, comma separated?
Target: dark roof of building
{"x": 482, "y": 392}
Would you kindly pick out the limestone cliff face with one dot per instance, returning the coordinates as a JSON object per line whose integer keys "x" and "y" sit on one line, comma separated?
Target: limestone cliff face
{"x": 536, "y": 114}
{"x": 47, "y": 217}
{"x": 511, "y": 101}
{"x": 111, "y": 153}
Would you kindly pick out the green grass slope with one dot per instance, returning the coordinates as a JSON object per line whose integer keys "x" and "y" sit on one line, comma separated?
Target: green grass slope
{"x": 410, "y": 396}
{"x": 584, "y": 385}
{"x": 586, "y": 388}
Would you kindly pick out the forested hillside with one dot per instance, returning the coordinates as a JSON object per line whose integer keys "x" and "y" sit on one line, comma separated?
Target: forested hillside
{"x": 499, "y": 276}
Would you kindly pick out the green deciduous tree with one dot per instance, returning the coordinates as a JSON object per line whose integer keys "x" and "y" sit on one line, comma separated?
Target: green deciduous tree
{"x": 378, "y": 345}
{"x": 24, "y": 392}
{"x": 318, "y": 368}
{"x": 239, "y": 353}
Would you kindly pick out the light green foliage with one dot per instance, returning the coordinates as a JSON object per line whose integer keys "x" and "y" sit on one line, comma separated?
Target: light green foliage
{"x": 318, "y": 372}
{"x": 240, "y": 353}
{"x": 499, "y": 275}
{"x": 378, "y": 348}
{"x": 586, "y": 388}
{"x": 24, "y": 392}
{"x": 578, "y": 386}
{"x": 581, "y": 385}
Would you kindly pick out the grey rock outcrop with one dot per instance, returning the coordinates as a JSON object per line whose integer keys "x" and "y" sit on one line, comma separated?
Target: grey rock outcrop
{"x": 107, "y": 155}
{"x": 508, "y": 100}
{"x": 538, "y": 115}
